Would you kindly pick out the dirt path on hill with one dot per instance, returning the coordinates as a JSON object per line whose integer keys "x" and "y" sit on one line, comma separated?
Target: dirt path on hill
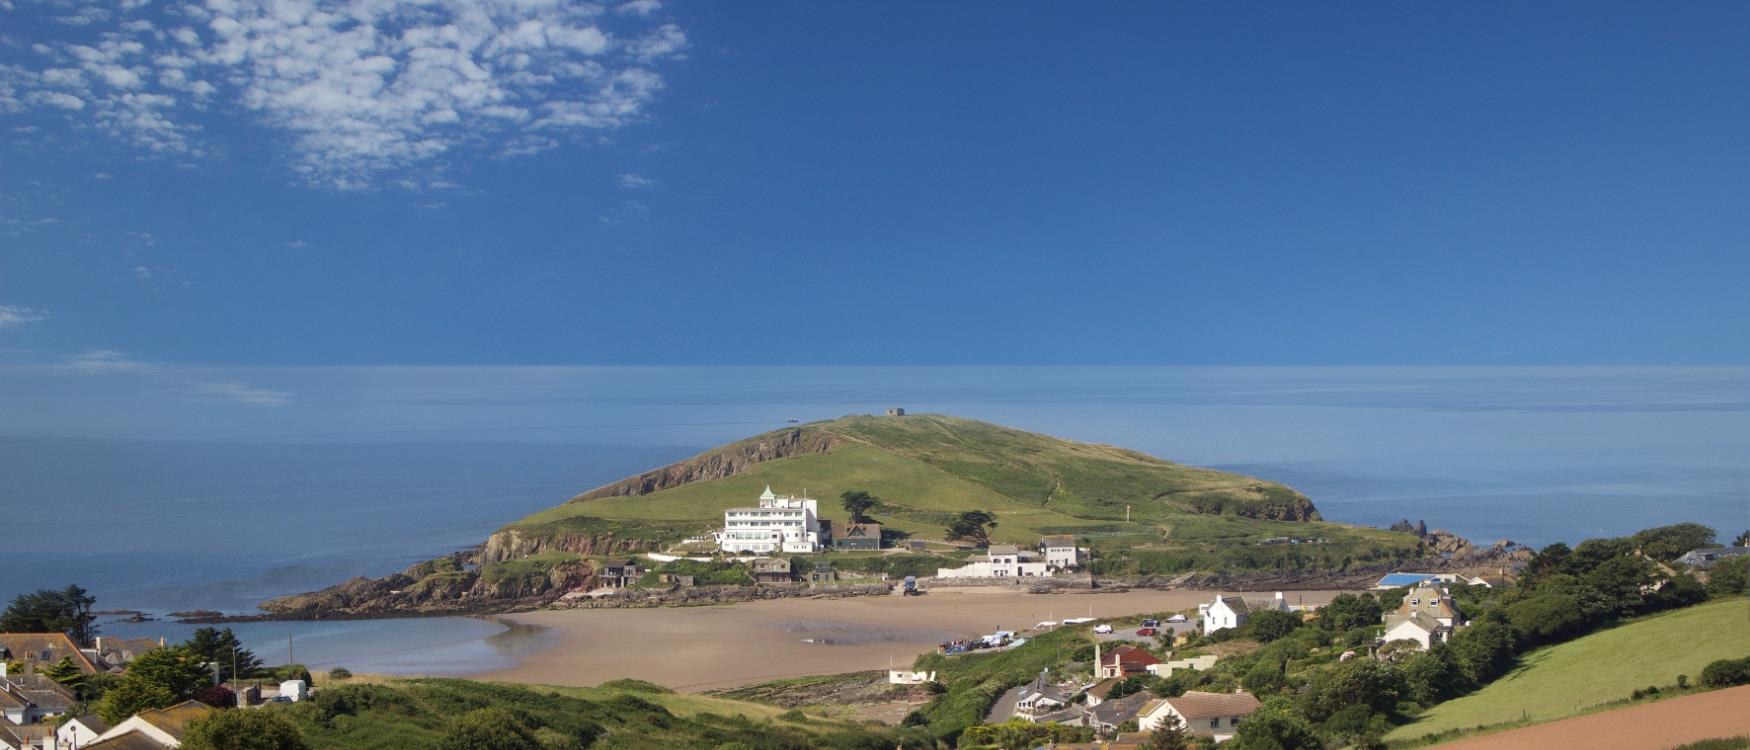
{"x": 1664, "y": 724}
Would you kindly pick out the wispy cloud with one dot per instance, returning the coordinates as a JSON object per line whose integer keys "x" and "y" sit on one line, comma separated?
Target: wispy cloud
{"x": 297, "y": 244}
{"x": 12, "y": 316}
{"x": 231, "y": 390}
{"x": 158, "y": 277}
{"x": 109, "y": 362}
{"x": 623, "y": 212}
{"x": 636, "y": 181}
{"x": 106, "y": 362}
{"x": 359, "y": 89}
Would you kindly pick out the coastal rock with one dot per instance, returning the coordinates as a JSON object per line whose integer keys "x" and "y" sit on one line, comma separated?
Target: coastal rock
{"x": 517, "y": 543}
{"x": 728, "y": 461}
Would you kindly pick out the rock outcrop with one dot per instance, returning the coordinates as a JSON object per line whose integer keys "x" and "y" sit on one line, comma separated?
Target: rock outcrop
{"x": 728, "y": 461}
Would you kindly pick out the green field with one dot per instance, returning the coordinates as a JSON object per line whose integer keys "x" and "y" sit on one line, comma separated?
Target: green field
{"x": 927, "y": 468}
{"x": 1565, "y": 679}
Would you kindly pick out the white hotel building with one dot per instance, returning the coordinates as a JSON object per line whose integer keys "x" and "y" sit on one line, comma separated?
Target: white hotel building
{"x": 781, "y": 523}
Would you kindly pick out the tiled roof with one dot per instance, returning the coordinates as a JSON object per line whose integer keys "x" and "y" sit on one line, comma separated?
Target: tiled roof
{"x": 1004, "y": 549}
{"x": 1128, "y": 654}
{"x": 135, "y": 740}
{"x": 1057, "y": 540}
{"x": 1120, "y": 710}
{"x": 175, "y": 719}
{"x": 29, "y": 648}
{"x": 1196, "y": 704}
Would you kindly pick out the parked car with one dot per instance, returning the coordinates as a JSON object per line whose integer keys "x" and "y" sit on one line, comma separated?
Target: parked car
{"x": 1102, "y": 628}
{"x": 1151, "y": 623}
{"x": 1147, "y": 631}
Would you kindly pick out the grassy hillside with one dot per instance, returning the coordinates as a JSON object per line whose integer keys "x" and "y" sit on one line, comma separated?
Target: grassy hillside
{"x": 926, "y": 468}
{"x": 1564, "y": 679}
{"x": 625, "y": 714}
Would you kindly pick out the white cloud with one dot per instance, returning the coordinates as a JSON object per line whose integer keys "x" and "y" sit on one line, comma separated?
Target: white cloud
{"x": 12, "y": 316}
{"x": 231, "y": 390}
{"x": 106, "y": 362}
{"x": 359, "y": 90}
{"x": 623, "y": 212}
{"x": 200, "y": 383}
{"x": 639, "y": 7}
{"x": 297, "y": 244}
{"x": 636, "y": 181}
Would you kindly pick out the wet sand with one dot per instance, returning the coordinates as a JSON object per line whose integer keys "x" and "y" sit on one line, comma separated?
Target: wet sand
{"x": 702, "y": 648}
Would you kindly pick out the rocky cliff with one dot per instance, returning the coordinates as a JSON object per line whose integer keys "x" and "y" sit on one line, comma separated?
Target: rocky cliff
{"x": 730, "y": 460}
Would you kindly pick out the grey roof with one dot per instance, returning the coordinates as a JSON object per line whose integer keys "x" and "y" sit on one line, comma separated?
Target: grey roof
{"x": 1120, "y": 710}
{"x": 1004, "y": 549}
{"x": 1057, "y": 540}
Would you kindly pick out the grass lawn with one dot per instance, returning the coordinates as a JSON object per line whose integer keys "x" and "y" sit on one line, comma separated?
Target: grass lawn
{"x": 1562, "y": 680}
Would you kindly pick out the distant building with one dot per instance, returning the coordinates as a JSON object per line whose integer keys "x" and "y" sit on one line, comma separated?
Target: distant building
{"x": 1427, "y": 616}
{"x": 909, "y": 677}
{"x": 1040, "y": 698}
{"x": 1706, "y": 557}
{"x": 1123, "y": 661}
{"x": 1214, "y": 715}
{"x": 619, "y": 575}
{"x": 79, "y": 731}
{"x": 1001, "y": 561}
{"x": 1399, "y": 580}
{"x": 1199, "y": 663}
{"x": 1234, "y": 611}
{"x": 771, "y": 570}
{"x": 1060, "y": 551}
{"x": 158, "y": 728}
{"x": 895, "y": 411}
{"x": 780, "y": 523}
{"x": 857, "y": 536}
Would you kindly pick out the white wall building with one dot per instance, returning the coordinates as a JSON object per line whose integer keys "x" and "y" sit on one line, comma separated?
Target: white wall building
{"x": 1060, "y": 551}
{"x": 780, "y": 523}
{"x": 1233, "y": 611}
{"x": 1001, "y": 561}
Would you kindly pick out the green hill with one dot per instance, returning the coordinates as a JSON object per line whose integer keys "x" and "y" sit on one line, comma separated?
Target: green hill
{"x": 926, "y": 468}
{"x": 1563, "y": 680}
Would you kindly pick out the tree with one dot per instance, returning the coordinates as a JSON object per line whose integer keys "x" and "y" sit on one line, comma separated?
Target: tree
{"x": 1170, "y": 735}
{"x": 67, "y": 673}
{"x": 155, "y": 679}
{"x": 1547, "y": 562}
{"x": 1358, "y": 682}
{"x": 1348, "y": 611}
{"x": 972, "y": 525}
{"x": 1271, "y": 624}
{"x": 1264, "y": 678}
{"x": 858, "y": 503}
{"x": 243, "y": 730}
{"x": 223, "y": 648}
{"x": 489, "y": 729}
{"x": 129, "y": 697}
{"x": 1483, "y": 651}
{"x": 1670, "y": 542}
{"x": 1433, "y": 676}
{"x": 1275, "y": 726}
{"x": 1729, "y": 577}
{"x": 48, "y": 611}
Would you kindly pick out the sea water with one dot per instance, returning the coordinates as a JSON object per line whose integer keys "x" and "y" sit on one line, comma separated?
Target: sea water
{"x": 160, "y": 505}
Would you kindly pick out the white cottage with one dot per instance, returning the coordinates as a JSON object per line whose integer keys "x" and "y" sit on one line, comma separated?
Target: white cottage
{"x": 1233, "y": 611}
{"x": 1427, "y": 616}
{"x": 1001, "y": 561}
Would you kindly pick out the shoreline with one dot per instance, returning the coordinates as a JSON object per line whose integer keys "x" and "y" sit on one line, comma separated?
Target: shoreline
{"x": 692, "y": 649}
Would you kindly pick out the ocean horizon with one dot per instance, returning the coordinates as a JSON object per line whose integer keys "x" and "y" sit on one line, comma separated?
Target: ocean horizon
{"x": 372, "y": 469}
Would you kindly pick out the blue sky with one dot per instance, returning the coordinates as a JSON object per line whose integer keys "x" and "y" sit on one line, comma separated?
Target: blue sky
{"x": 226, "y": 184}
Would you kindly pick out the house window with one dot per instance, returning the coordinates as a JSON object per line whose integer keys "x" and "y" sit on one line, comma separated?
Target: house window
{"x": 1215, "y": 723}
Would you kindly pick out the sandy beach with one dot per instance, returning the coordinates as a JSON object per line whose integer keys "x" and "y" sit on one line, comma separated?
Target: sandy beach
{"x": 701, "y": 648}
